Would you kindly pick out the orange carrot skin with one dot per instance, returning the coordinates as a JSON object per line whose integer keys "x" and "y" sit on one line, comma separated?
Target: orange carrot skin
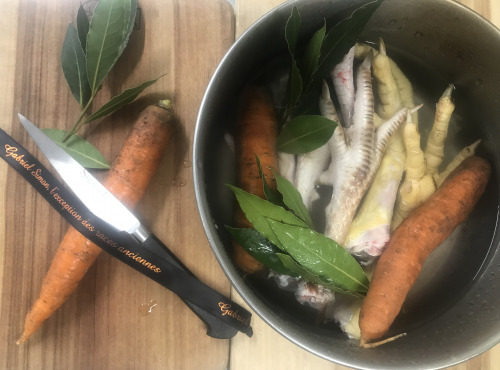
{"x": 417, "y": 236}
{"x": 127, "y": 179}
{"x": 256, "y": 134}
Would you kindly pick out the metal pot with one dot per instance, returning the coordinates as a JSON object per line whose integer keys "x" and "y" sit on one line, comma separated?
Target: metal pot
{"x": 453, "y": 312}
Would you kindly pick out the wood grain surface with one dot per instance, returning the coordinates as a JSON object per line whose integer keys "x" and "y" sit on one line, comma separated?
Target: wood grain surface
{"x": 118, "y": 319}
{"x": 106, "y": 324}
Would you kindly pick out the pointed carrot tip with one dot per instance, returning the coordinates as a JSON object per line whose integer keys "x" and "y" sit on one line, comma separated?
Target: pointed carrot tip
{"x": 23, "y": 339}
{"x": 364, "y": 344}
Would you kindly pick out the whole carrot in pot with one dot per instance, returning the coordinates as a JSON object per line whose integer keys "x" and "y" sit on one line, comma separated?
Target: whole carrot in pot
{"x": 256, "y": 134}
{"x": 415, "y": 238}
{"x": 127, "y": 179}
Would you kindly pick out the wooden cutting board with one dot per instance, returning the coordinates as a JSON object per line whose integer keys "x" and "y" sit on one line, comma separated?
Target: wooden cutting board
{"x": 118, "y": 319}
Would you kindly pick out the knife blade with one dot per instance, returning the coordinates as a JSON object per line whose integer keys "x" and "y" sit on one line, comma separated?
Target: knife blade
{"x": 99, "y": 200}
{"x": 103, "y": 204}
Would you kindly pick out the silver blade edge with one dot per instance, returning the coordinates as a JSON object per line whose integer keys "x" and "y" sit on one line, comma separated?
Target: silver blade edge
{"x": 99, "y": 200}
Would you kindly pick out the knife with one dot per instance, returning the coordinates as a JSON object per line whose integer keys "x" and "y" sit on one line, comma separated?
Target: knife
{"x": 104, "y": 205}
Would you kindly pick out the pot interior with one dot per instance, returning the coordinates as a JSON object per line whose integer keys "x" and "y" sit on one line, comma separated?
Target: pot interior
{"x": 453, "y": 311}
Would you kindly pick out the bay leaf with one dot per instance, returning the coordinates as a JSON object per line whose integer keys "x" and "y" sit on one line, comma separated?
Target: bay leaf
{"x": 81, "y": 150}
{"x": 107, "y": 33}
{"x": 312, "y": 53}
{"x": 314, "y": 67}
{"x": 320, "y": 256}
{"x": 259, "y": 211}
{"x": 272, "y": 195}
{"x": 292, "y": 30}
{"x": 131, "y": 21}
{"x": 290, "y": 264}
{"x": 122, "y": 99}
{"x": 293, "y": 199}
{"x": 82, "y": 26}
{"x": 294, "y": 83}
{"x": 295, "y": 87}
{"x": 73, "y": 63}
{"x": 341, "y": 37}
{"x": 304, "y": 134}
{"x": 260, "y": 248}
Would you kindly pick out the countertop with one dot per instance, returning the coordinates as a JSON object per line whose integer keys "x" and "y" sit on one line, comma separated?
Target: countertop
{"x": 117, "y": 318}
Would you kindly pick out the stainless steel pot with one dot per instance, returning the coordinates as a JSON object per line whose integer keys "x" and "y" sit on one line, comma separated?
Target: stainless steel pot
{"x": 453, "y": 312}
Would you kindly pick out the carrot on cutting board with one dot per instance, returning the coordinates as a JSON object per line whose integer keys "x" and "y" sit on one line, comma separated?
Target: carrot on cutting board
{"x": 256, "y": 134}
{"x": 416, "y": 237}
{"x": 127, "y": 179}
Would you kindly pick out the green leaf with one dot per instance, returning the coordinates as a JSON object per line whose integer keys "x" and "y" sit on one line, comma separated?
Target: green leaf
{"x": 286, "y": 195}
{"x": 115, "y": 103}
{"x": 293, "y": 199}
{"x": 74, "y": 67}
{"x": 333, "y": 45}
{"x": 304, "y": 134}
{"x": 271, "y": 195}
{"x": 343, "y": 36}
{"x": 131, "y": 20}
{"x": 290, "y": 264}
{"x": 295, "y": 84}
{"x": 259, "y": 211}
{"x": 82, "y": 151}
{"x": 321, "y": 256}
{"x": 82, "y": 25}
{"x": 292, "y": 29}
{"x": 311, "y": 56}
{"x": 260, "y": 248}
{"x": 107, "y": 34}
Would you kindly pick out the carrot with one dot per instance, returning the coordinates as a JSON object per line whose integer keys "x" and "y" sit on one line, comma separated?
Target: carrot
{"x": 256, "y": 134}
{"x": 127, "y": 179}
{"x": 417, "y": 236}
